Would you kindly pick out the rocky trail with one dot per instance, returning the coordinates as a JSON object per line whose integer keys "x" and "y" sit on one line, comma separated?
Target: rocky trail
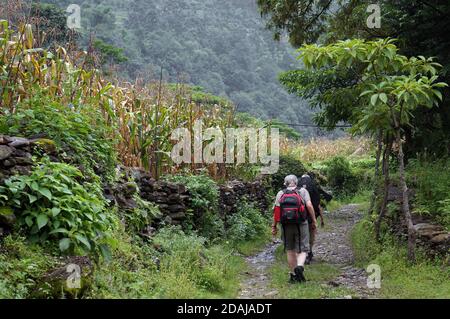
{"x": 332, "y": 247}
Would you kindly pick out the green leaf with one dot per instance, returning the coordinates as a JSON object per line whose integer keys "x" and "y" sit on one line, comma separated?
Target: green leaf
{"x": 374, "y": 99}
{"x": 64, "y": 244}
{"x": 59, "y": 231}
{"x": 42, "y": 220}
{"x": 35, "y": 186}
{"x": 29, "y": 221}
{"x": 32, "y": 198}
{"x": 84, "y": 240}
{"x": 55, "y": 211}
{"x": 384, "y": 98}
{"x": 106, "y": 252}
{"x": 46, "y": 192}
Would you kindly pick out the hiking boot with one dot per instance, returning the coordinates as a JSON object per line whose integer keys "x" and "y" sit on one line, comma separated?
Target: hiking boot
{"x": 292, "y": 278}
{"x": 299, "y": 274}
{"x": 309, "y": 258}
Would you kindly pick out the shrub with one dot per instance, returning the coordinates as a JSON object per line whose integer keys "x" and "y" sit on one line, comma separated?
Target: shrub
{"x": 52, "y": 203}
{"x": 248, "y": 223}
{"x": 205, "y": 217}
{"x": 186, "y": 256}
{"x": 22, "y": 267}
{"x": 288, "y": 165}
{"x": 81, "y": 133}
{"x": 141, "y": 216}
{"x": 341, "y": 177}
{"x": 432, "y": 184}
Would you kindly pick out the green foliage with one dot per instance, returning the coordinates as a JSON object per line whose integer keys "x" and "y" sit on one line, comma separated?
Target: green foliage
{"x": 246, "y": 224}
{"x": 22, "y": 267}
{"x": 303, "y": 19}
{"x": 431, "y": 181}
{"x": 390, "y": 86}
{"x": 141, "y": 216}
{"x": 423, "y": 280}
{"x": 204, "y": 200}
{"x": 318, "y": 275}
{"x": 109, "y": 53}
{"x": 80, "y": 132}
{"x": 341, "y": 177}
{"x": 55, "y": 203}
{"x": 52, "y": 20}
{"x": 288, "y": 165}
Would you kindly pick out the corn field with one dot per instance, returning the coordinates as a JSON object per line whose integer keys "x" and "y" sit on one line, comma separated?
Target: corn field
{"x": 143, "y": 115}
{"x": 322, "y": 149}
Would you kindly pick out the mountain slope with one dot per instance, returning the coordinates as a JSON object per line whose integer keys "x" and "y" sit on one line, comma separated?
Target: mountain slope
{"x": 219, "y": 45}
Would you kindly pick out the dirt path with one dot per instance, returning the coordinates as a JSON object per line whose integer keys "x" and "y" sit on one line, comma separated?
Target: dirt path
{"x": 256, "y": 282}
{"x": 333, "y": 247}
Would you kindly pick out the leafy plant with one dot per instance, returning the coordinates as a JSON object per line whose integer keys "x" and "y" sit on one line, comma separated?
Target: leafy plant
{"x": 141, "y": 216}
{"x": 81, "y": 133}
{"x": 341, "y": 177}
{"x": 246, "y": 224}
{"x": 55, "y": 203}
{"x": 288, "y": 165}
{"x": 204, "y": 202}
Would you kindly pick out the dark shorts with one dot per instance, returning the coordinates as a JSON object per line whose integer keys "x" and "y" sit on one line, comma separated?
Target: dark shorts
{"x": 294, "y": 240}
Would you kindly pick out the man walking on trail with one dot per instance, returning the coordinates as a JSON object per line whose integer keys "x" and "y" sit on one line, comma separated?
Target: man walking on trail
{"x": 291, "y": 210}
{"x": 306, "y": 182}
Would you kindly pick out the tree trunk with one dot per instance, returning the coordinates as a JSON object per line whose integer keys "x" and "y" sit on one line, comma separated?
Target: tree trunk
{"x": 405, "y": 198}
{"x": 386, "y": 156}
{"x": 377, "y": 173}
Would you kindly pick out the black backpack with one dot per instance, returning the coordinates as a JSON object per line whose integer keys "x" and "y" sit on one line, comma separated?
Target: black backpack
{"x": 313, "y": 190}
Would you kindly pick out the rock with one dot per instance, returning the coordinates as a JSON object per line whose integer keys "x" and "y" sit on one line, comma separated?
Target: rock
{"x": 24, "y": 161}
{"x": 5, "y": 140}
{"x": 176, "y": 208}
{"x": 9, "y": 163}
{"x": 168, "y": 220}
{"x": 5, "y": 152}
{"x": 66, "y": 279}
{"x": 440, "y": 238}
{"x": 7, "y": 216}
{"x": 47, "y": 145}
{"x": 178, "y": 216}
{"x": 19, "y": 142}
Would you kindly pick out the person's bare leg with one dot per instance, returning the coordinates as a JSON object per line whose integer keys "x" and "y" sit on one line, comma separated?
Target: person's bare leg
{"x": 292, "y": 259}
{"x": 301, "y": 259}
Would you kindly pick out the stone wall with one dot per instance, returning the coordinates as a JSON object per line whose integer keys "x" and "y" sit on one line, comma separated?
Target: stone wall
{"x": 434, "y": 238}
{"x": 233, "y": 192}
{"x": 15, "y": 156}
{"x": 174, "y": 199}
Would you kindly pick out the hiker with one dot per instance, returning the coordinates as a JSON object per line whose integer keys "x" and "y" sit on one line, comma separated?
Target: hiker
{"x": 291, "y": 210}
{"x": 306, "y": 182}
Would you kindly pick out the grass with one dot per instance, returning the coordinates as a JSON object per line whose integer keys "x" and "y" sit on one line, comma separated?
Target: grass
{"x": 362, "y": 198}
{"x": 248, "y": 248}
{"x": 316, "y": 287}
{"x": 400, "y": 280}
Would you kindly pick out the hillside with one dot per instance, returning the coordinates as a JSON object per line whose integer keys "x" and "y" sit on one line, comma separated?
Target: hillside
{"x": 222, "y": 46}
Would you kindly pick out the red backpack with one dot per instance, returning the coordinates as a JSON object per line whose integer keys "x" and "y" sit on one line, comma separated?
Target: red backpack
{"x": 293, "y": 210}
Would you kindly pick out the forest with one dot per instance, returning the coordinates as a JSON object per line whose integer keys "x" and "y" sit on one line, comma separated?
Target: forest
{"x": 94, "y": 205}
{"x": 221, "y": 46}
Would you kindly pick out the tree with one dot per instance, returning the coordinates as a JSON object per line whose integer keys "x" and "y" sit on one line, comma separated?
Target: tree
{"x": 390, "y": 87}
{"x": 421, "y": 27}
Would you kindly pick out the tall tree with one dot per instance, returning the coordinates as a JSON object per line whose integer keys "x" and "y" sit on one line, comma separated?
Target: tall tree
{"x": 390, "y": 88}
